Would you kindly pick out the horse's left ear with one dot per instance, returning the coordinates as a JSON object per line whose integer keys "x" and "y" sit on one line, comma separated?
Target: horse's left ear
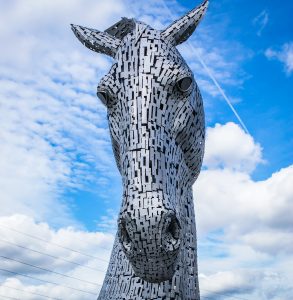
{"x": 180, "y": 30}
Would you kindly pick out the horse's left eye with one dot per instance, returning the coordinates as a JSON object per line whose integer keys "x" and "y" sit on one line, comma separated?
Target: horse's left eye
{"x": 184, "y": 84}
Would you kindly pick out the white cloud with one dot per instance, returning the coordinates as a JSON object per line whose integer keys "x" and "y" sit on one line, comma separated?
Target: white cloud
{"x": 54, "y": 134}
{"x": 228, "y": 146}
{"x": 285, "y": 56}
{"x": 221, "y": 285}
{"x": 261, "y": 21}
{"x": 270, "y": 241}
{"x": 245, "y": 284}
{"x": 247, "y": 224}
{"x": 244, "y": 225}
{"x": 96, "y": 244}
{"x": 245, "y": 208}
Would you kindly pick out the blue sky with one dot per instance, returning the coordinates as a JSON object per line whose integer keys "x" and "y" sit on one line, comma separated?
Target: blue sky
{"x": 57, "y": 172}
{"x": 266, "y": 92}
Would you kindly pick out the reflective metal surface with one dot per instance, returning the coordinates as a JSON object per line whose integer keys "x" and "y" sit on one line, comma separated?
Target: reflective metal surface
{"x": 156, "y": 122}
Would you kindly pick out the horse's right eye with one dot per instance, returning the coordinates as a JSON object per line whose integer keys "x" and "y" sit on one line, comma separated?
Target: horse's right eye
{"x": 105, "y": 97}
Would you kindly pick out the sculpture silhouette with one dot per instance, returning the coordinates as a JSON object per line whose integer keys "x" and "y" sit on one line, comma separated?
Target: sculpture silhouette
{"x": 156, "y": 122}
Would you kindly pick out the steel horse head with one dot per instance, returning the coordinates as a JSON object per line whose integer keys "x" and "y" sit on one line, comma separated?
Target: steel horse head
{"x": 156, "y": 122}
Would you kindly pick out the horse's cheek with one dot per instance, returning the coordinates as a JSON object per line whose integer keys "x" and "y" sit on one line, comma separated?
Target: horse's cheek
{"x": 183, "y": 113}
{"x": 114, "y": 128}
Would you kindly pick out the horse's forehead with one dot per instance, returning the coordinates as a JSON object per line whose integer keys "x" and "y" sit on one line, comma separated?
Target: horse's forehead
{"x": 144, "y": 31}
{"x": 146, "y": 41}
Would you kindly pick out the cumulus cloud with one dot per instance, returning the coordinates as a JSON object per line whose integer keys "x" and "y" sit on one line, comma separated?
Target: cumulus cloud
{"x": 228, "y": 146}
{"x": 229, "y": 198}
{"x": 54, "y": 138}
{"x": 235, "y": 201}
{"x": 54, "y": 134}
{"x": 221, "y": 285}
{"x": 241, "y": 221}
{"x": 284, "y": 55}
{"x": 88, "y": 268}
{"x": 245, "y": 284}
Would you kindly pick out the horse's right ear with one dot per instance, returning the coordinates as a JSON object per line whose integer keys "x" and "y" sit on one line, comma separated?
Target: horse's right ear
{"x": 180, "y": 30}
{"x": 96, "y": 40}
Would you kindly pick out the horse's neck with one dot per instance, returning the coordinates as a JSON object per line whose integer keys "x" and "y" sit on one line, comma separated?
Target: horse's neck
{"x": 121, "y": 283}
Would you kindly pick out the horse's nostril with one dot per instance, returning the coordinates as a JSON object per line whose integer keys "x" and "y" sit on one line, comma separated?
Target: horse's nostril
{"x": 174, "y": 228}
{"x": 124, "y": 235}
{"x": 171, "y": 236}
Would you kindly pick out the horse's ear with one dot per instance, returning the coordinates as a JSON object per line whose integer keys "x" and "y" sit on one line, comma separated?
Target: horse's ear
{"x": 180, "y": 30}
{"x": 96, "y": 40}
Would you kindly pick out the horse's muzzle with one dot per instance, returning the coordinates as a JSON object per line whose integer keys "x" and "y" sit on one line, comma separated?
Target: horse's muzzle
{"x": 151, "y": 242}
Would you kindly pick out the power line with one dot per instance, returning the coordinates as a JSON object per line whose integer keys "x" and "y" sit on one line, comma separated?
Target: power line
{"x": 207, "y": 297}
{"x": 60, "y": 246}
{"x": 53, "y": 256}
{"x": 50, "y": 271}
{"x": 212, "y": 297}
{"x": 37, "y": 294}
{"x": 213, "y": 292}
{"x": 221, "y": 294}
{"x": 46, "y": 281}
{"x": 7, "y": 297}
{"x": 208, "y": 71}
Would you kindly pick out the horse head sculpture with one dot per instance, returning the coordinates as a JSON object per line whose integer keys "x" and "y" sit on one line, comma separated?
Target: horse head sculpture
{"x": 156, "y": 122}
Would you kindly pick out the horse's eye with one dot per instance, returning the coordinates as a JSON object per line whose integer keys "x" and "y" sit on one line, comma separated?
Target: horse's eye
{"x": 184, "y": 84}
{"x": 105, "y": 97}
{"x": 102, "y": 96}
